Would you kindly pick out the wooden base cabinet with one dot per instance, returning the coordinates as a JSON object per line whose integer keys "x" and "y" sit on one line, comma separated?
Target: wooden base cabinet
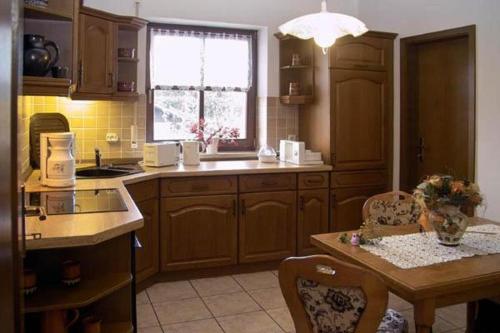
{"x": 198, "y": 232}
{"x": 267, "y": 226}
{"x": 147, "y": 257}
{"x": 347, "y": 204}
{"x": 312, "y": 218}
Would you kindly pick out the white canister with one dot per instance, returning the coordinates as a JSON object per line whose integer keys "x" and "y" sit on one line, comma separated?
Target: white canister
{"x": 191, "y": 152}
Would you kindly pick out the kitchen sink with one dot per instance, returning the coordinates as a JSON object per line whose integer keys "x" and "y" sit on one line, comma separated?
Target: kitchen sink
{"x": 106, "y": 172}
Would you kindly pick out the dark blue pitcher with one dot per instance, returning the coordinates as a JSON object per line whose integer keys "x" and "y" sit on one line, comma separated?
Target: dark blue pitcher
{"x": 37, "y": 59}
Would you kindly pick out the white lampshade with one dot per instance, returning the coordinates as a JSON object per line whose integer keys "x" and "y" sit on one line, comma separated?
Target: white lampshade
{"x": 325, "y": 27}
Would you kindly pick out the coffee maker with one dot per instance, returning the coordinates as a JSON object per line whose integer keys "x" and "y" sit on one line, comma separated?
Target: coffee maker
{"x": 57, "y": 162}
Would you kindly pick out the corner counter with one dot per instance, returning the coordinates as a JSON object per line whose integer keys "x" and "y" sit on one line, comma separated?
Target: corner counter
{"x": 72, "y": 230}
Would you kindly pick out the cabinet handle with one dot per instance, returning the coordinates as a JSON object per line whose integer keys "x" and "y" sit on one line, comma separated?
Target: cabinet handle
{"x": 80, "y": 73}
{"x": 301, "y": 203}
{"x": 111, "y": 79}
{"x": 200, "y": 187}
{"x": 269, "y": 182}
{"x": 334, "y": 197}
{"x": 318, "y": 180}
{"x": 23, "y": 221}
{"x": 243, "y": 207}
{"x": 234, "y": 207}
{"x": 137, "y": 243}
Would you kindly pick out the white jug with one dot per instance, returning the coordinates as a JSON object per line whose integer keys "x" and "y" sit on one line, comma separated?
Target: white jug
{"x": 191, "y": 152}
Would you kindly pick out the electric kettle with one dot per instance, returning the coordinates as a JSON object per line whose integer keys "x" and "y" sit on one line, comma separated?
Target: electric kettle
{"x": 191, "y": 152}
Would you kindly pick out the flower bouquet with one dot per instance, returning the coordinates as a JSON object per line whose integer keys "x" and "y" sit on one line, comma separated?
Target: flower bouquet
{"x": 442, "y": 197}
{"x": 211, "y": 135}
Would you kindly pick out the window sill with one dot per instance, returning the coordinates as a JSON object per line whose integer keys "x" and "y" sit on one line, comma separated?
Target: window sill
{"x": 230, "y": 155}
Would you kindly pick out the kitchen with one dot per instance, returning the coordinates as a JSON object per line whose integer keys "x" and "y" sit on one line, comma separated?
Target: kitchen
{"x": 207, "y": 146}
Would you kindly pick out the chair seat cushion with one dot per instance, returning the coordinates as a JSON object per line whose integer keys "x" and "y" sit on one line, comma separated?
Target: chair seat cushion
{"x": 393, "y": 322}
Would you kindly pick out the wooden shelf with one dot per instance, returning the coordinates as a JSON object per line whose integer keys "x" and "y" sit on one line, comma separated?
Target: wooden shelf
{"x": 290, "y": 67}
{"x": 296, "y": 100}
{"x": 124, "y": 327}
{"x": 125, "y": 59}
{"x": 46, "y": 86}
{"x": 57, "y": 297}
{"x": 59, "y": 11}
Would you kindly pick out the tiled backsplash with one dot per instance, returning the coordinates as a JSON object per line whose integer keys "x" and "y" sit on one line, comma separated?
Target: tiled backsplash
{"x": 276, "y": 121}
{"x": 91, "y": 120}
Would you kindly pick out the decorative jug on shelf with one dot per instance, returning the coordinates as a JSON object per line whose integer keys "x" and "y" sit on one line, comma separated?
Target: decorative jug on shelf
{"x": 37, "y": 58}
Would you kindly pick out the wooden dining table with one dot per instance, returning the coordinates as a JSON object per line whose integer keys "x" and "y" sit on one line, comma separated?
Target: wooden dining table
{"x": 428, "y": 287}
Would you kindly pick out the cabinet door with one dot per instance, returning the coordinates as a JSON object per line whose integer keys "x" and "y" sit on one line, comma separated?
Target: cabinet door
{"x": 268, "y": 226}
{"x": 360, "y": 120}
{"x": 198, "y": 232}
{"x": 147, "y": 258}
{"x": 96, "y": 55}
{"x": 347, "y": 205}
{"x": 312, "y": 218}
{"x": 366, "y": 53}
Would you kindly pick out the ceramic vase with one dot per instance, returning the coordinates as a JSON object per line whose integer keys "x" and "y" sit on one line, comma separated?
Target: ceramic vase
{"x": 213, "y": 146}
{"x": 449, "y": 223}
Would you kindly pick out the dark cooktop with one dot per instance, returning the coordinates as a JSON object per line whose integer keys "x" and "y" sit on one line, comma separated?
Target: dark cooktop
{"x": 78, "y": 202}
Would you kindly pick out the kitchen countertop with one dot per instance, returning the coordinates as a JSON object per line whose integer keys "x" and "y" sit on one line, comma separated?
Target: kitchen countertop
{"x": 59, "y": 231}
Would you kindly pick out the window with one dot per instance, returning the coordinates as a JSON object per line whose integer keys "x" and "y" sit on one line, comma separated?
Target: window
{"x": 201, "y": 73}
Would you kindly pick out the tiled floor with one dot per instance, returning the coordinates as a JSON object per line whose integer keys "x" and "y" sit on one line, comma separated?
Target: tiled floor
{"x": 244, "y": 303}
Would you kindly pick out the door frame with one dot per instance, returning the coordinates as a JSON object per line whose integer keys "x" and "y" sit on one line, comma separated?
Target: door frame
{"x": 407, "y": 47}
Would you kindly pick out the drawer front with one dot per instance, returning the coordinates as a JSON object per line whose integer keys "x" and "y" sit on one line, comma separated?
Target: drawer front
{"x": 313, "y": 180}
{"x": 268, "y": 182}
{"x": 144, "y": 190}
{"x": 176, "y": 187}
{"x": 359, "y": 178}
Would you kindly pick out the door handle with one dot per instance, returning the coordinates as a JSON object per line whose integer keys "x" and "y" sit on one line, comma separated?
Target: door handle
{"x": 243, "y": 207}
{"x": 301, "y": 203}
{"x": 420, "y": 149}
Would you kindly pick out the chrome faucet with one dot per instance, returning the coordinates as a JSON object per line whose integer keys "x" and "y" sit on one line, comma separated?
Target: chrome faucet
{"x": 97, "y": 157}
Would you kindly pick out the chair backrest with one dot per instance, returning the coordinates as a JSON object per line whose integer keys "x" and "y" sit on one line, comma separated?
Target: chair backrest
{"x": 392, "y": 208}
{"x": 327, "y": 295}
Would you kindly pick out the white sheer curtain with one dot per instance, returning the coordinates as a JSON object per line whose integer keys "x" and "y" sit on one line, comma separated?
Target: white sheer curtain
{"x": 200, "y": 60}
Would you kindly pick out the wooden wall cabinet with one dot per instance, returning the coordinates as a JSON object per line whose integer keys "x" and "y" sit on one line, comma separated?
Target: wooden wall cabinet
{"x": 198, "y": 232}
{"x": 100, "y": 34}
{"x": 145, "y": 196}
{"x": 267, "y": 226}
{"x": 96, "y": 55}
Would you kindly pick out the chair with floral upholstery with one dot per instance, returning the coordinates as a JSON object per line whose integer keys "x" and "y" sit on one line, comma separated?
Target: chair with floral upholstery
{"x": 392, "y": 208}
{"x": 325, "y": 295}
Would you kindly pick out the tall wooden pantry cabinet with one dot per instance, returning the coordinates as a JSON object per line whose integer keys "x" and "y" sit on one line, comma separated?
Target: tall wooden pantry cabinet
{"x": 351, "y": 121}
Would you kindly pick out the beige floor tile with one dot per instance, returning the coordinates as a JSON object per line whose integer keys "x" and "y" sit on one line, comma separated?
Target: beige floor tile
{"x": 253, "y": 322}
{"x": 146, "y": 316}
{"x": 198, "y": 326}
{"x": 398, "y": 304}
{"x": 455, "y": 314}
{"x": 142, "y": 298}
{"x": 259, "y": 280}
{"x": 216, "y": 286}
{"x": 275, "y": 272}
{"x": 270, "y": 298}
{"x": 171, "y": 291}
{"x": 283, "y": 318}
{"x": 229, "y": 304}
{"x": 155, "y": 329}
{"x": 171, "y": 312}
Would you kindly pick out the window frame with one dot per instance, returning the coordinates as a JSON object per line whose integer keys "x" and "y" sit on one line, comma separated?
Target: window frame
{"x": 248, "y": 144}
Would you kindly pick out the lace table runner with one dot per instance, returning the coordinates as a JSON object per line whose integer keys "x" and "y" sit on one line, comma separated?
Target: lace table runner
{"x": 423, "y": 249}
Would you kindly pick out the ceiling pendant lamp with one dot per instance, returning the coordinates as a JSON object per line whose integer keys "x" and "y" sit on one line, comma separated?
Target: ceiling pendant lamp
{"x": 325, "y": 27}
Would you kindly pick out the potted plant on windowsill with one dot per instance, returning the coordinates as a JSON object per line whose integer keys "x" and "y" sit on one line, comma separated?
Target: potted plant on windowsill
{"x": 211, "y": 136}
{"x": 441, "y": 198}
